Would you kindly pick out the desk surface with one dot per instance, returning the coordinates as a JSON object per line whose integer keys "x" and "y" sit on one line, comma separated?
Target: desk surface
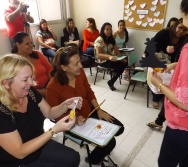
{"x": 126, "y": 49}
{"x": 96, "y": 131}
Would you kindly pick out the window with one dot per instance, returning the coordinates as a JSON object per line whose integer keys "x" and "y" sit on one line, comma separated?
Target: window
{"x": 51, "y": 10}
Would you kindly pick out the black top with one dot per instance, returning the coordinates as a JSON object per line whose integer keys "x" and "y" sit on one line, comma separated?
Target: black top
{"x": 162, "y": 39}
{"x": 28, "y": 124}
{"x": 66, "y": 34}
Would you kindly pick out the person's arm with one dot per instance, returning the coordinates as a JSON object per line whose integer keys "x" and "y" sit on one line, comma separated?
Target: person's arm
{"x": 40, "y": 41}
{"x": 29, "y": 18}
{"x": 10, "y": 16}
{"x": 86, "y": 40}
{"x": 12, "y": 143}
{"x": 169, "y": 93}
{"x": 53, "y": 34}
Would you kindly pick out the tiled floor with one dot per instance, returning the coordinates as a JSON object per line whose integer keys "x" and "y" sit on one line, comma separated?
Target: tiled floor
{"x": 138, "y": 146}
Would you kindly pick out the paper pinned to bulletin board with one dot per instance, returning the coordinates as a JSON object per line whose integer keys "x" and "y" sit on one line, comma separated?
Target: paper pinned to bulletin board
{"x": 145, "y": 14}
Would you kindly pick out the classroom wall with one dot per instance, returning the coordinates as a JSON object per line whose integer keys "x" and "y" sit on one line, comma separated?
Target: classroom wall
{"x": 103, "y": 11}
{"x": 112, "y": 11}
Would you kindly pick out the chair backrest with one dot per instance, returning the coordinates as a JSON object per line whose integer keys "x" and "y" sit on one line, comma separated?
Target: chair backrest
{"x": 132, "y": 59}
{"x": 63, "y": 41}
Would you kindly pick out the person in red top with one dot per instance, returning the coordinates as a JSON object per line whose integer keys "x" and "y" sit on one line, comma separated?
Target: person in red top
{"x": 90, "y": 34}
{"x": 24, "y": 47}
{"x": 16, "y": 16}
{"x": 69, "y": 81}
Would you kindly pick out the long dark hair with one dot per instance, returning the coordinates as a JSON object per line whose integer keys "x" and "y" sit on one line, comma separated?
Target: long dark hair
{"x": 40, "y": 27}
{"x": 172, "y": 19}
{"x": 92, "y": 22}
{"x": 184, "y": 7}
{"x": 107, "y": 40}
{"x": 62, "y": 57}
{"x": 19, "y": 38}
{"x": 70, "y": 30}
{"x": 173, "y": 28}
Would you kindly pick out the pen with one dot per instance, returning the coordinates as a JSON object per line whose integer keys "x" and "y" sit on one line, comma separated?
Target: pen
{"x": 95, "y": 108}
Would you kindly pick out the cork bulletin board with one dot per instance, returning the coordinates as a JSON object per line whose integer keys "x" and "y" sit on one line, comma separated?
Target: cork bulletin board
{"x": 145, "y": 14}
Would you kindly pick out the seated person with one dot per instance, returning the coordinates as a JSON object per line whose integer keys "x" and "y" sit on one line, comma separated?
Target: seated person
{"x": 71, "y": 33}
{"x": 121, "y": 36}
{"x": 23, "y": 142}
{"x": 90, "y": 34}
{"x": 24, "y": 47}
{"x": 46, "y": 38}
{"x": 107, "y": 51}
{"x": 69, "y": 81}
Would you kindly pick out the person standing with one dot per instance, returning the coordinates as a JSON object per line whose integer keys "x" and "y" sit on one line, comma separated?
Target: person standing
{"x": 174, "y": 148}
{"x": 17, "y": 18}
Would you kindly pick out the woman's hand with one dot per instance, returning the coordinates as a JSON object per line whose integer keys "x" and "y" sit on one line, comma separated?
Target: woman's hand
{"x": 50, "y": 29}
{"x": 64, "y": 124}
{"x": 170, "y": 67}
{"x": 112, "y": 58}
{"x": 170, "y": 49}
{"x": 105, "y": 116}
{"x": 69, "y": 103}
{"x": 53, "y": 49}
{"x": 80, "y": 120}
{"x": 155, "y": 79}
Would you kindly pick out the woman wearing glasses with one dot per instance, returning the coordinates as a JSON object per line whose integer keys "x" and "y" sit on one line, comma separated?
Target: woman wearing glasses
{"x": 169, "y": 41}
{"x": 24, "y": 47}
{"x": 69, "y": 81}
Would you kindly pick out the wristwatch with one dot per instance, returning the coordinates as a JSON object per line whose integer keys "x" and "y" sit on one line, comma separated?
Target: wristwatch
{"x": 52, "y": 132}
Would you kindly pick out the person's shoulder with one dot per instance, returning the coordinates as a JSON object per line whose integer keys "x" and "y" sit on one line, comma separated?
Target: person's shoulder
{"x": 53, "y": 83}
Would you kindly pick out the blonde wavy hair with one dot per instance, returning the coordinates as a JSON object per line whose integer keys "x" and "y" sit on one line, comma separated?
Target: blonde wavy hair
{"x": 10, "y": 66}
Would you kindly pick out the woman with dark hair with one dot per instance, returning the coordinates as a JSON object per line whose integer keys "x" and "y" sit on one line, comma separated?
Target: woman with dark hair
{"x": 70, "y": 80}
{"x": 107, "y": 51}
{"x": 121, "y": 36}
{"x": 90, "y": 34}
{"x": 46, "y": 38}
{"x": 169, "y": 41}
{"x": 171, "y": 22}
{"x": 174, "y": 148}
{"x": 71, "y": 33}
{"x": 24, "y": 47}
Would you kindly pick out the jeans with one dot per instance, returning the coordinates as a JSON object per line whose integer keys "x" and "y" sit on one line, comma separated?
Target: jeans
{"x": 89, "y": 51}
{"x": 157, "y": 97}
{"x": 174, "y": 149}
{"x": 49, "y": 52}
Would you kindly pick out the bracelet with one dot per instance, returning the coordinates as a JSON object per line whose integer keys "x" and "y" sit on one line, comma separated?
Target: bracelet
{"x": 52, "y": 132}
{"x": 159, "y": 87}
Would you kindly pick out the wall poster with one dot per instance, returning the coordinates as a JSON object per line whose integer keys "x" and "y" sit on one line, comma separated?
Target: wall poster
{"x": 145, "y": 14}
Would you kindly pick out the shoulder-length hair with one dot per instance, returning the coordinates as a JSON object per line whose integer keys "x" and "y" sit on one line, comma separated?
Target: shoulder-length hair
{"x": 62, "y": 57}
{"x": 107, "y": 40}
{"x": 70, "y": 30}
{"x": 19, "y": 38}
{"x": 10, "y": 66}
{"x": 92, "y": 22}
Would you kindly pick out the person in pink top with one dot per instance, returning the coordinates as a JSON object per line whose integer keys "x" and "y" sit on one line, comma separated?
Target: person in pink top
{"x": 174, "y": 149}
{"x": 90, "y": 34}
{"x": 23, "y": 47}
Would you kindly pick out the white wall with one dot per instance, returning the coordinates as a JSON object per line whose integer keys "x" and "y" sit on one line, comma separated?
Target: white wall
{"x": 102, "y": 11}
{"x": 112, "y": 11}
{"x": 5, "y": 44}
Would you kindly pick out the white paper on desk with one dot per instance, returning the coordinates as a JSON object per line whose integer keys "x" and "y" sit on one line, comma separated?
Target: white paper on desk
{"x": 118, "y": 58}
{"x": 126, "y": 49}
{"x": 91, "y": 132}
